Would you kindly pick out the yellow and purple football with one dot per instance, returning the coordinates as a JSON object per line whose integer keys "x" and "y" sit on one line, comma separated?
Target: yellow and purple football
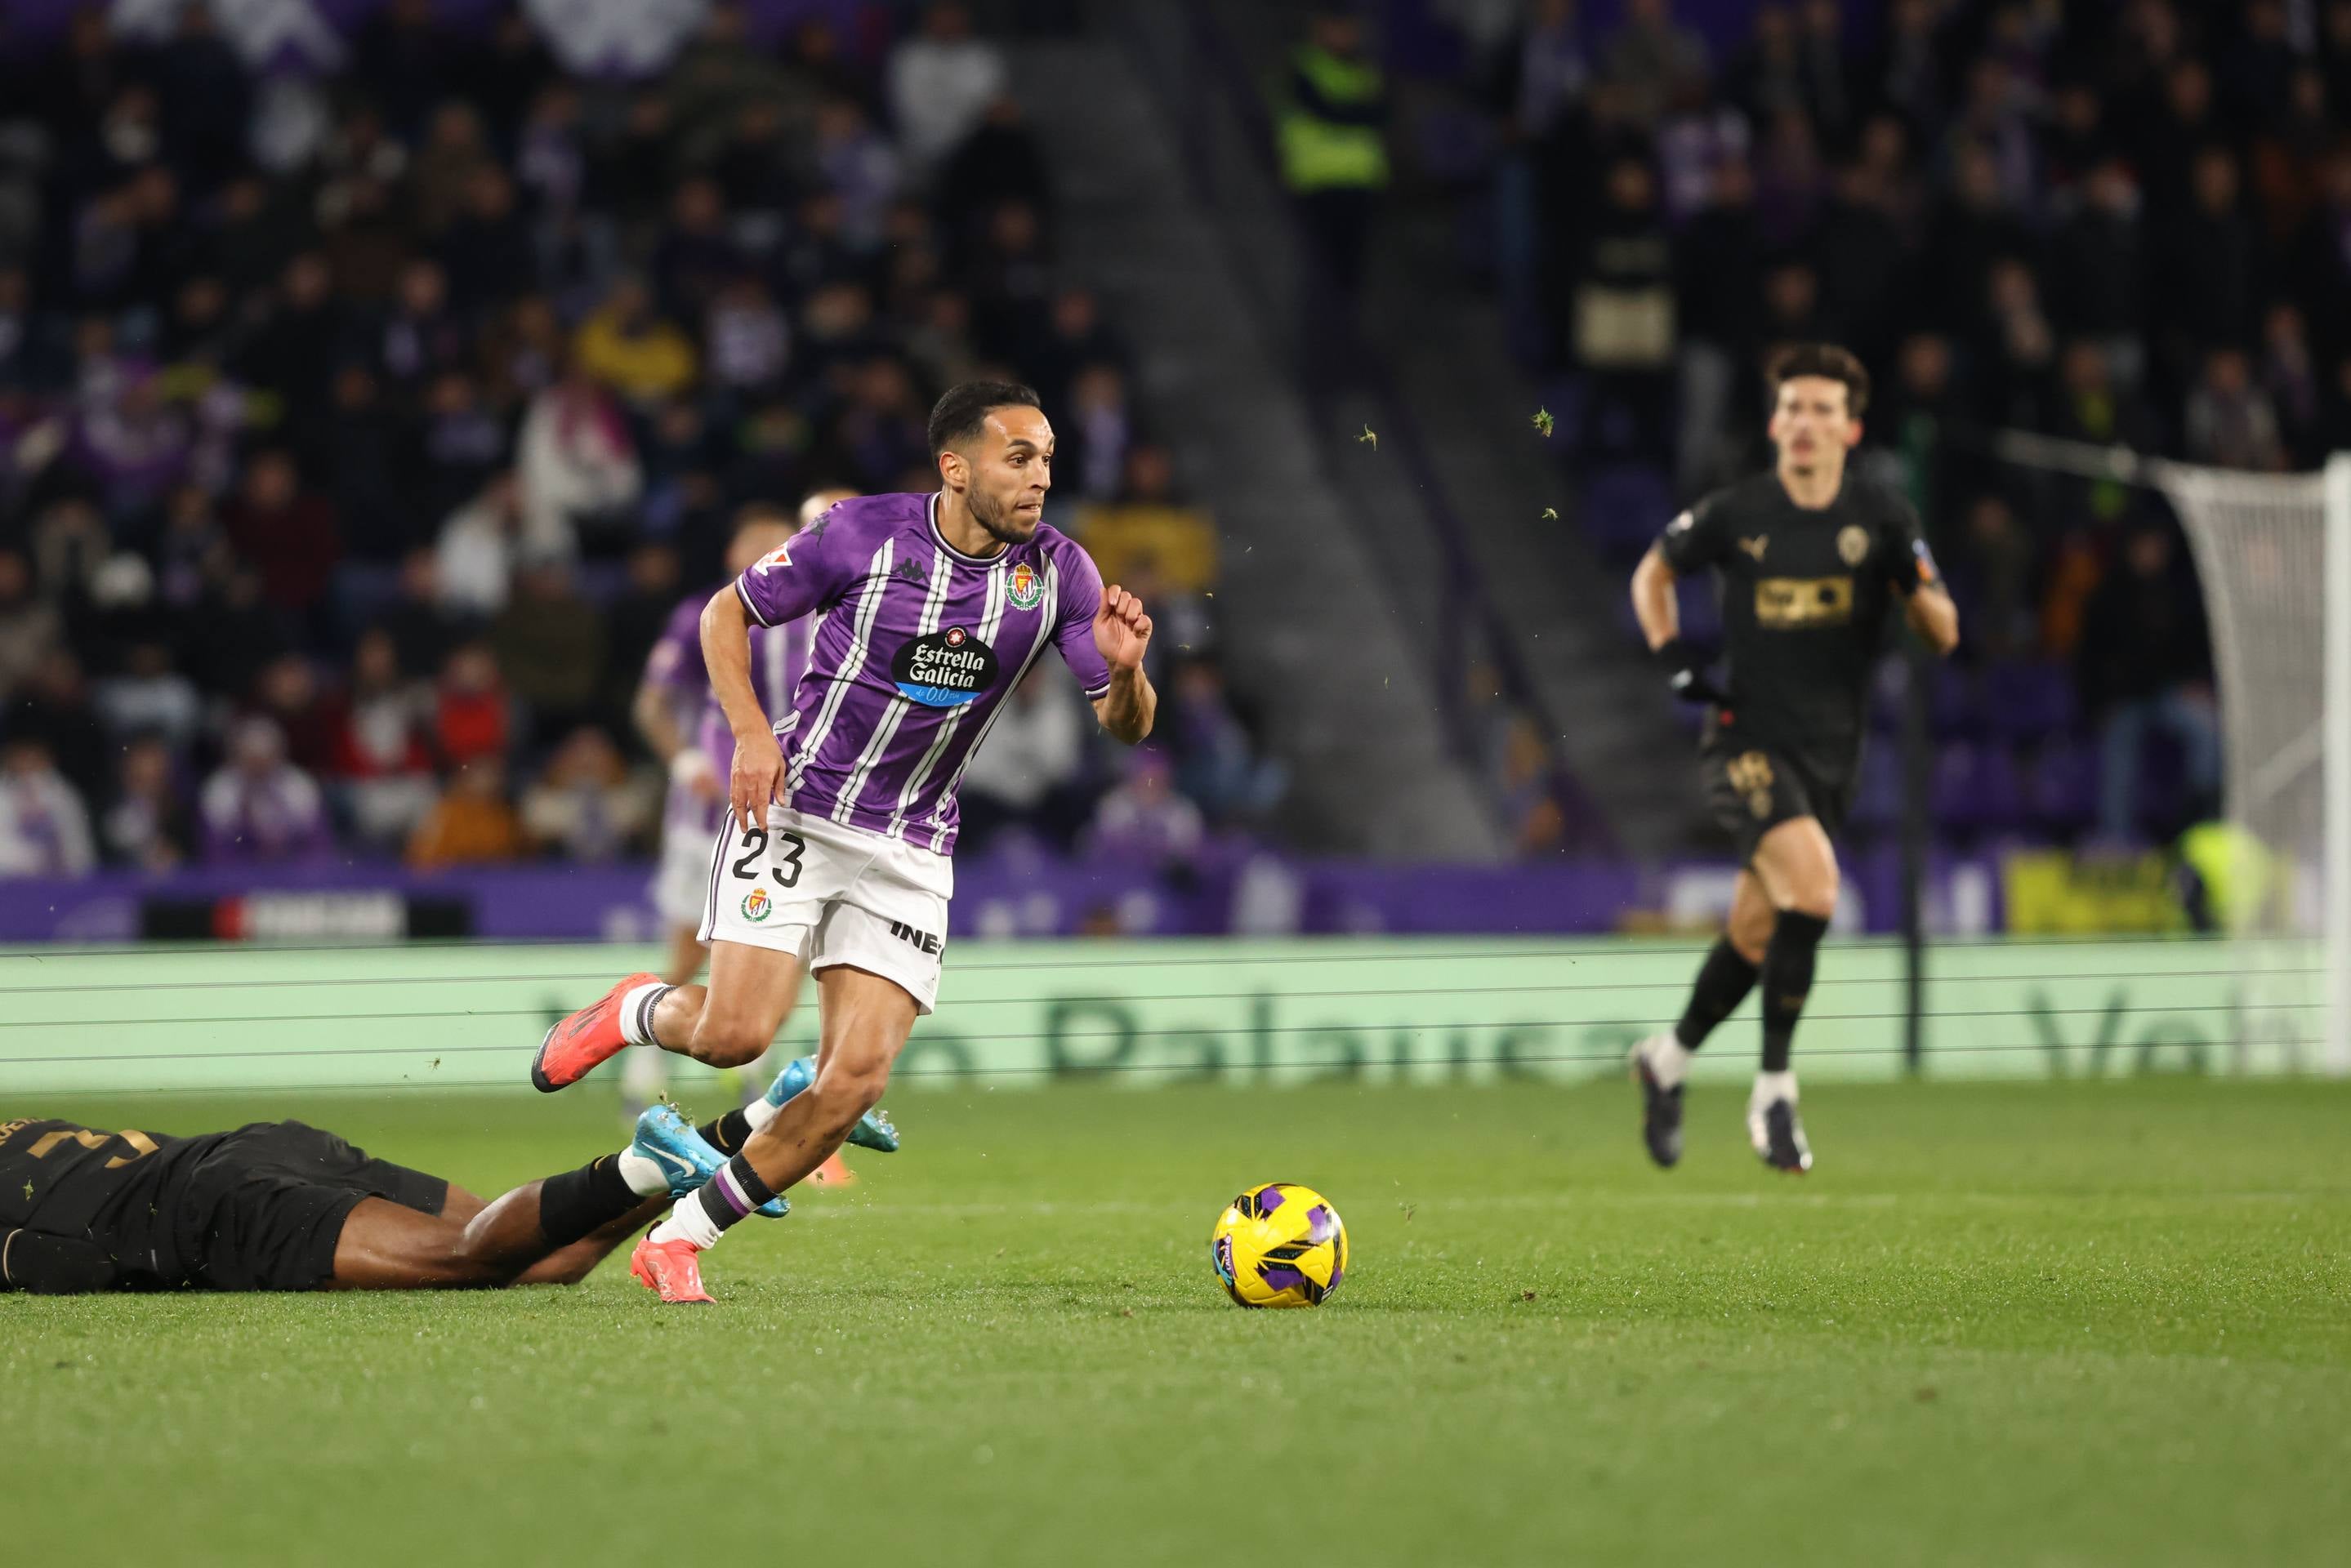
{"x": 1280, "y": 1245}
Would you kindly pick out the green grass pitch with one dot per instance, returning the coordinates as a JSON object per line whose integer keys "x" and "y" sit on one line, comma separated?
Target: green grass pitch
{"x": 2013, "y": 1325}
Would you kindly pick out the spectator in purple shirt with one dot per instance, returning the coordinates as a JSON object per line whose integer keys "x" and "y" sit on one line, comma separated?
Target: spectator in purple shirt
{"x": 1144, "y": 820}
{"x": 259, "y": 807}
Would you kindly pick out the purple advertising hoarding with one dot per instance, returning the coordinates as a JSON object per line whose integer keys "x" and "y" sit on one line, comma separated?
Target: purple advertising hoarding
{"x": 998, "y": 895}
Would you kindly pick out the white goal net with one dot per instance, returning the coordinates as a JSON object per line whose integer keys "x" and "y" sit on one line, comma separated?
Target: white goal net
{"x": 2273, "y": 554}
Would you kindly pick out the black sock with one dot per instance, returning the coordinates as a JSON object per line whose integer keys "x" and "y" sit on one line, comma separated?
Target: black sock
{"x": 1723, "y": 982}
{"x": 587, "y": 1200}
{"x": 726, "y": 1134}
{"x": 733, "y": 1193}
{"x": 41, "y": 1264}
{"x": 1787, "y": 979}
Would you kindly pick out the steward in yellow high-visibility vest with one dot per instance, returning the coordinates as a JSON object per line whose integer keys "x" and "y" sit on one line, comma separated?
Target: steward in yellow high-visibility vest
{"x": 1331, "y": 132}
{"x": 1333, "y": 152}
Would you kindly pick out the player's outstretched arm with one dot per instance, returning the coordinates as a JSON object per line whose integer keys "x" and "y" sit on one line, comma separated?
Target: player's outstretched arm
{"x": 654, "y": 712}
{"x": 45, "y": 1265}
{"x": 1122, "y": 633}
{"x": 1934, "y": 617}
{"x": 1660, "y": 615}
{"x": 1653, "y": 604}
{"x": 726, "y": 653}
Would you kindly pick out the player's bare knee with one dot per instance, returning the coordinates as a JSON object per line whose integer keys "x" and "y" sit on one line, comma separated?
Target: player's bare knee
{"x": 728, "y": 1042}
{"x": 1817, "y": 899}
{"x": 1750, "y": 932}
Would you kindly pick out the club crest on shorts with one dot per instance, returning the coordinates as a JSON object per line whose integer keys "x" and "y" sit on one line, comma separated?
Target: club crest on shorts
{"x": 1853, "y": 544}
{"x": 757, "y": 906}
{"x": 1024, "y": 588}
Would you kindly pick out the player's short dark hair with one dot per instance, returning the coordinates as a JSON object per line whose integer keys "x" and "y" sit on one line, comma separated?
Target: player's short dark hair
{"x": 1828, "y": 362}
{"x": 963, "y": 412}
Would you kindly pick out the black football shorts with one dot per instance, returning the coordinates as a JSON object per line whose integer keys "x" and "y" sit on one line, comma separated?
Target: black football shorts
{"x": 1751, "y": 790}
{"x": 271, "y": 1200}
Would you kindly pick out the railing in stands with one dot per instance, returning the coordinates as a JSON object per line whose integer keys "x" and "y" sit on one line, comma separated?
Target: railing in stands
{"x": 1197, "y": 71}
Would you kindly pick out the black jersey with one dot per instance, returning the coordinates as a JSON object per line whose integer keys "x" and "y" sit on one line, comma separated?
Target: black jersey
{"x": 259, "y": 1208}
{"x": 1805, "y": 596}
{"x": 125, "y": 1190}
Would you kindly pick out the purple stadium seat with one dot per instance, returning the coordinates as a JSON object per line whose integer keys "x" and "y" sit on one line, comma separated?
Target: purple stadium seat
{"x": 1888, "y": 690}
{"x": 1624, "y": 508}
{"x": 1954, "y": 705}
{"x": 2063, "y": 793}
{"x": 1565, "y": 396}
{"x": 1877, "y": 792}
{"x": 2029, "y": 702}
{"x": 1975, "y": 789}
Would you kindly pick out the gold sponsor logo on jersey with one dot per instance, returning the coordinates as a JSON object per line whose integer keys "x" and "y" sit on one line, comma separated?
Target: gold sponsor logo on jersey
{"x": 1756, "y": 547}
{"x": 1786, "y": 604}
{"x": 1853, "y": 544}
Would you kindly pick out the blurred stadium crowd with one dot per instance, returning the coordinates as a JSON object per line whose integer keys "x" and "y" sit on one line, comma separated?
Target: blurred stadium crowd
{"x": 359, "y": 429}
{"x": 2115, "y": 222}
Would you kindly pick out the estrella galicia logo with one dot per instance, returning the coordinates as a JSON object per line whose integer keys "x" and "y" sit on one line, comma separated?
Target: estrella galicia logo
{"x": 945, "y": 670}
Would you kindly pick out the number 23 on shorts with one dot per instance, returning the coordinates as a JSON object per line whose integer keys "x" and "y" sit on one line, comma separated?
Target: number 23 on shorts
{"x": 790, "y": 848}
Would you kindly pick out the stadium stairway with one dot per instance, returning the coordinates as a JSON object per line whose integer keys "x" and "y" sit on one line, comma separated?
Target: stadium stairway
{"x": 1565, "y": 604}
{"x": 1305, "y": 618}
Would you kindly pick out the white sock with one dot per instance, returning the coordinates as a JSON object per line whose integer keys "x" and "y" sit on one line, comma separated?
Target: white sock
{"x": 687, "y": 1222}
{"x": 642, "y": 1173}
{"x": 633, "y": 1007}
{"x": 1771, "y": 1087}
{"x": 1668, "y": 1059}
{"x": 760, "y": 1113}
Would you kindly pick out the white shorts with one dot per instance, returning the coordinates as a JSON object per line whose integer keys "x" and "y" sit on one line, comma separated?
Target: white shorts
{"x": 682, "y": 878}
{"x": 830, "y": 895}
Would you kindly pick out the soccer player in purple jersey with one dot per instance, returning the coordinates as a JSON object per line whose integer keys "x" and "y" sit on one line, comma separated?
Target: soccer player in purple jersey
{"x": 834, "y": 858}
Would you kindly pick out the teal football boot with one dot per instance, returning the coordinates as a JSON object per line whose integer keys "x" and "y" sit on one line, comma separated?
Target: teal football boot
{"x": 685, "y": 1156}
{"x": 872, "y": 1130}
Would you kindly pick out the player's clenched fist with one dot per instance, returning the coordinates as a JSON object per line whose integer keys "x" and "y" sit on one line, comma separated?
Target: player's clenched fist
{"x": 758, "y": 777}
{"x": 1122, "y": 631}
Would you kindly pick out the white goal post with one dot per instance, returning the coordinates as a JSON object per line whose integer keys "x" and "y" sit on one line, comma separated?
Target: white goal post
{"x": 2273, "y": 554}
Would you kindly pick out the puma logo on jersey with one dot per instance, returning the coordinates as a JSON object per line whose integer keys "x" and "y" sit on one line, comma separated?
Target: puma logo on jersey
{"x": 1756, "y": 545}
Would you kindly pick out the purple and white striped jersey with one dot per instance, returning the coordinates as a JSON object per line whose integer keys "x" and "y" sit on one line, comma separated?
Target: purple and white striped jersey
{"x": 778, "y": 655}
{"x": 916, "y": 647}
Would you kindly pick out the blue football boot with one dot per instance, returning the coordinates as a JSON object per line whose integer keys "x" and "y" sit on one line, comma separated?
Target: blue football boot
{"x": 872, "y": 1130}
{"x": 685, "y": 1156}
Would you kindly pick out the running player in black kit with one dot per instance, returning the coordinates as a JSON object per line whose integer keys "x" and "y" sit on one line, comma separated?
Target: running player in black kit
{"x": 278, "y": 1205}
{"x": 1807, "y": 560}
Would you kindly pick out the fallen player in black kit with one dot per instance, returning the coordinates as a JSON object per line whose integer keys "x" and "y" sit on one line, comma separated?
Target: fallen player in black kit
{"x": 278, "y": 1205}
